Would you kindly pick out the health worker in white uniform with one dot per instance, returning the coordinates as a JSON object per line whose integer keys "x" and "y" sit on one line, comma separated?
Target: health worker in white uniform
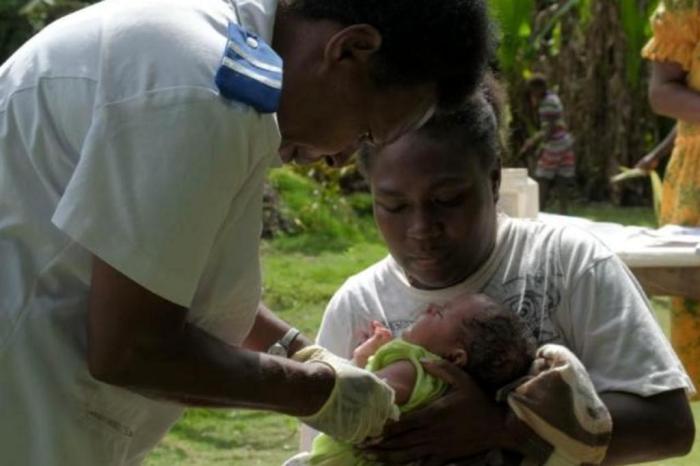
{"x": 134, "y": 140}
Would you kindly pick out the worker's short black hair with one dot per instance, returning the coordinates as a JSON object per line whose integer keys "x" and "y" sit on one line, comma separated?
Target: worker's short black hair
{"x": 446, "y": 42}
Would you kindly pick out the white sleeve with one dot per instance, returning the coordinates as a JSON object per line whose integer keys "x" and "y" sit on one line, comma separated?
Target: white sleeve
{"x": 154, "y": 183}
{"x": 615, "y": 334}
{"x": 337, "y": 326}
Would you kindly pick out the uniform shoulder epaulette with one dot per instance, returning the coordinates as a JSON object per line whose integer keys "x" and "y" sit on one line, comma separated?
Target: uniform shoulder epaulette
{"x": 250, "y": 71}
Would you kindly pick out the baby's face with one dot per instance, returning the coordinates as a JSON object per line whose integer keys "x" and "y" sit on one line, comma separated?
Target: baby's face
{"x": 439, "y": 329}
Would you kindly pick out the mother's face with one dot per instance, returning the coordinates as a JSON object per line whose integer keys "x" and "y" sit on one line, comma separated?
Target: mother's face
{"x": 435, "y": 208}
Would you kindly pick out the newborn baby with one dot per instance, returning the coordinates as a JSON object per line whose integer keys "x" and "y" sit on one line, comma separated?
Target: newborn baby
{"x": 491, "y": 343}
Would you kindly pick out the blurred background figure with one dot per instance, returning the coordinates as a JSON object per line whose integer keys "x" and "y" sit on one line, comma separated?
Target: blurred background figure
{"x": 556, "y": 164}
{"x": 674, "y": 92}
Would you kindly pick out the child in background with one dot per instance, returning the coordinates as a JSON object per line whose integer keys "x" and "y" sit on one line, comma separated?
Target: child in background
{"x": 492, "y": 344}
{"x": 556, "y": 163}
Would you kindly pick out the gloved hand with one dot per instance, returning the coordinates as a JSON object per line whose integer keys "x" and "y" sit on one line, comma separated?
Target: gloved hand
{"x": 360, "y": 403}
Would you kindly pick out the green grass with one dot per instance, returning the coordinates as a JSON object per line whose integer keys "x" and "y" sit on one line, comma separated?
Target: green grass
{"x": 299, "y": 285}
{"x": 325, "y": 220}
{"x": 299, "y": 280}
{"x": 216, "y": 437}
{"x": 602, "y": 212}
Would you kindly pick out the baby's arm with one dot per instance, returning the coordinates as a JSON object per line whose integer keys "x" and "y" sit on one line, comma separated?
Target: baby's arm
{"x": 401, "y": 376}
{"x": 380, "y": 336}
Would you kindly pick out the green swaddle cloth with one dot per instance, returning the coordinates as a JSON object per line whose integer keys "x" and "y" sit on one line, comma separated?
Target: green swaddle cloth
{"x": 327, "y": 451}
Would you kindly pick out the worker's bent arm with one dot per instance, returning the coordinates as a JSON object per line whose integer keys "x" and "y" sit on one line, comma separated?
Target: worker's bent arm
{"x": 268, "y": 329}
{"x": 139, "y": 340}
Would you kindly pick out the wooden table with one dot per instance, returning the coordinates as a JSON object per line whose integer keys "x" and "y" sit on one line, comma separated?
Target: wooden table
{"x": 672, "y": 270}
{"x": 666, "y": 271}
{"x": 669, "y": 281}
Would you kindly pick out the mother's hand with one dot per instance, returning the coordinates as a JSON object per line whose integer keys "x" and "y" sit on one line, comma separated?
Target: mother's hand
{"x": 462, "y": 423}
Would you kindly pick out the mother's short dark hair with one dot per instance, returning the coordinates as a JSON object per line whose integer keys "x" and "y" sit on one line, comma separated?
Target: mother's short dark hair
{"x": 473, "y": 130}
{"x": 448, "y": 42}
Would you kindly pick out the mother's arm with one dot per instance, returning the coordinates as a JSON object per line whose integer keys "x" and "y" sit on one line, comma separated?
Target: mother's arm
{"x": 462, "y": 423}
{"x": 465, "y": 422}
{"x": 611, "y": 329}
{"x": 662, "y": 424}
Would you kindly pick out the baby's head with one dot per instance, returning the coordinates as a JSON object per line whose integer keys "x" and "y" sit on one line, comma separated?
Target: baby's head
{"x": 473, "y": 331}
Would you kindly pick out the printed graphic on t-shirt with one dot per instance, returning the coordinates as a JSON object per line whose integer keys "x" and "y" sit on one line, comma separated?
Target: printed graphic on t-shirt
{"x": 363, "y": 331}
{"x": 398, "y": 326}
{"x": 535, "y": 297}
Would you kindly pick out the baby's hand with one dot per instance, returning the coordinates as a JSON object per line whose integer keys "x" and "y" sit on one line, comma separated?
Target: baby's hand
{"x": 380, "y": 336}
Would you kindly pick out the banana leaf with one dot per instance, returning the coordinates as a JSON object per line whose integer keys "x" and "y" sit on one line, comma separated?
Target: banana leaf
{"x": 628, "y": 174}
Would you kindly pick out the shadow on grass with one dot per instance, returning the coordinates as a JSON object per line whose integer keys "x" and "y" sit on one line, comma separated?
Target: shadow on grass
{"x": 172, "y": 452}
{"x": 224, "y": 430}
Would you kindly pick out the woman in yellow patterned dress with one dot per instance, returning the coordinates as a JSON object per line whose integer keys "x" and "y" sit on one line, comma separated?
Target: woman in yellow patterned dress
{"x": 674, "y": 91}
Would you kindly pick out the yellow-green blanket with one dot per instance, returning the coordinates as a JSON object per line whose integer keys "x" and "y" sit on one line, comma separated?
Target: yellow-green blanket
{"x": 326, "y": 451}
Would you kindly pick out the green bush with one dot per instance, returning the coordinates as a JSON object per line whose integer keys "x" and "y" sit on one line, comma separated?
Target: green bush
{"x": 325, "y": 219}
{"x": 361, "y": 203}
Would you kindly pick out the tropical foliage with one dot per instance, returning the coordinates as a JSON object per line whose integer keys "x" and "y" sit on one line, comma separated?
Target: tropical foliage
{"x": 589, "y": 50}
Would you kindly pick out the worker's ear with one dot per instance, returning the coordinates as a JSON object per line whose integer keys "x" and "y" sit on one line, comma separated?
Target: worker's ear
{"x": 352, "y": 46}
{"x": 458, "y": 357}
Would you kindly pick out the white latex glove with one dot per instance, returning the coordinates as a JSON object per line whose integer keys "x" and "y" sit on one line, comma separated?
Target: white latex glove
{"x": 359, "y": 405}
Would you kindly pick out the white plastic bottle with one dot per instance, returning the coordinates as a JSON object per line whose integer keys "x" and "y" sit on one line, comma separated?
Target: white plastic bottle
{"x": 519, "y": 194}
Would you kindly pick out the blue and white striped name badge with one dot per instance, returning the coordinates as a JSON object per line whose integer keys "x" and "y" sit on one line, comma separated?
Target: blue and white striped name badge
{"x": 250, "y": 71}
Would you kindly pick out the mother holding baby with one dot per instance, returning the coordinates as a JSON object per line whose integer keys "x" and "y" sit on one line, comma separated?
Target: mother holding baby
{"x": 435, "y": 192}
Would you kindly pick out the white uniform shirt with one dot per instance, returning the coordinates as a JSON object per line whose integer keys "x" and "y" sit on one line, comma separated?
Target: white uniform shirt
{"x": 114, "y": 141}
{"x": 569, "y": 287}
